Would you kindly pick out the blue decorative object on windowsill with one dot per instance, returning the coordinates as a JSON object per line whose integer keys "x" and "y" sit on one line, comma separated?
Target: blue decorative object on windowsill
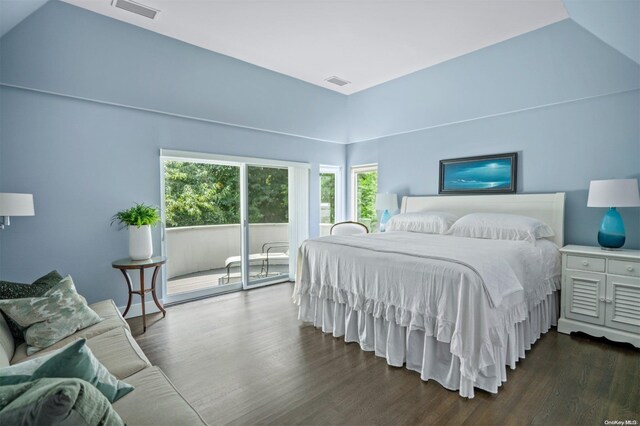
{"x": 613, "y": 193}
{"x": 388, "y": 203}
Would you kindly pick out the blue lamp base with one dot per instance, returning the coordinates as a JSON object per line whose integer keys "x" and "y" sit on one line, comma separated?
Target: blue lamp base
{"x": 611, "y": 232}
{"x": 384, "y": 219}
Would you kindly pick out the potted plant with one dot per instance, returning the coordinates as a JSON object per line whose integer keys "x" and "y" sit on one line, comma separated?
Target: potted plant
{"x": 139, "y": 219}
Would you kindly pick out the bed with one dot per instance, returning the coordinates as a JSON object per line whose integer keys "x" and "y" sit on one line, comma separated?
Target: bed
{"x": 456, "y": 310}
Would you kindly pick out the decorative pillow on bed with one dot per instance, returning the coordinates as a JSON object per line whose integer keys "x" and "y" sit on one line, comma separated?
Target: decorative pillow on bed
{"x": 74, "y": 360}
{"x": 500, "y": 226}
{"x": 424, "y": 222}
{"x": 59, "y": 313}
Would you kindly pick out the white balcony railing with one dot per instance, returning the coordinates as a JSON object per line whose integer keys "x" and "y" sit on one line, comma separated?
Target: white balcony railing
{"x": 201, "y": 248}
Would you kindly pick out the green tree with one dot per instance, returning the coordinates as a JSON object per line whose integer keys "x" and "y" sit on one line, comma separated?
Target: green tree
{"x": 328, "y": 194}
{"x": 367, "y": 187}
{"x": 268, "y": 195}
{"x": 209, "y": 194}
{"x": 201, "y": 194}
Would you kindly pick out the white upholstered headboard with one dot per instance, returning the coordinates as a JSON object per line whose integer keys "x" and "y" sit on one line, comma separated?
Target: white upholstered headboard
{"x": 547, "y": 207}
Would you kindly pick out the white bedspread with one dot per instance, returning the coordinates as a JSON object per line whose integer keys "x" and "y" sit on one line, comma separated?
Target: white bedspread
{"x": 463, "y": 291}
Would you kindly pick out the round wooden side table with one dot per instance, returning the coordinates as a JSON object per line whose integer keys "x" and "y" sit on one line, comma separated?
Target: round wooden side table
{"x": 124, "y": 265}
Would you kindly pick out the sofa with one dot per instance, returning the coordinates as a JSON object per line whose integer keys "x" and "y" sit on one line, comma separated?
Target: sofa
{"x": 154, "y": 401}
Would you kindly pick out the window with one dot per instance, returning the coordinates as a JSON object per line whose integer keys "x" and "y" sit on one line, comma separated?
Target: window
{"x": 330, "y": 198}
{"x": 364, "y": 186}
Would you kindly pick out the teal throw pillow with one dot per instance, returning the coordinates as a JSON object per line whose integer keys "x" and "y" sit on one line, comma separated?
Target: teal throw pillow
{"x": 11, "y": 290}
{"x": 56, "y": 402}
{"x": 59, "y": 313}
{"x": 74, "y": 360}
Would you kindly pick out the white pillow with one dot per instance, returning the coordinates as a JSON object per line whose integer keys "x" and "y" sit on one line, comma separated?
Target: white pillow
{"x": 424, "y": 222}
{"x": 499, "y": 226}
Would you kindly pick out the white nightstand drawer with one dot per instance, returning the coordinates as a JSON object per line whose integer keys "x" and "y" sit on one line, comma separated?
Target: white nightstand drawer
{"x": 584, "y": 263}
{"x": 624, "y": 267}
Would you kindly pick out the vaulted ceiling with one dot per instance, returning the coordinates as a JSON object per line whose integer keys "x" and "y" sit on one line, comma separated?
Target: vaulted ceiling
{"x": 366, "y": 42}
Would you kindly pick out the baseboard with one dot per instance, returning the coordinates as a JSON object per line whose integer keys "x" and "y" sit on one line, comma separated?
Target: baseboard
{"x": 567, "y": 326}
{"x": 136, "y": 309}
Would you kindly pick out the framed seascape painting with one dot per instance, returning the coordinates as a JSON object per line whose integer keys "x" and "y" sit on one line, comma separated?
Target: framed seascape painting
{"x": 487, "y": 174}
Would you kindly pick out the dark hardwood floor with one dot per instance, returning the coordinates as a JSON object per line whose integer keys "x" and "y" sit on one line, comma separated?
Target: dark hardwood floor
{"x": 244, "y": 358}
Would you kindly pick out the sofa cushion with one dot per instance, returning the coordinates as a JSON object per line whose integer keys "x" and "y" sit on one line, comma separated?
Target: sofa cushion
{"x": 108, "y": 309}
{"x": 7, "y": 345}
{"x": 155, "y": 401}
{"x": 118, "y": 351}
{"x": 76, "y": 360}
{"x": 102, "y": 327}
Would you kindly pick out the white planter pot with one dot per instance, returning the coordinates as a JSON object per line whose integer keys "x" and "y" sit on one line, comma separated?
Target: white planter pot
{"x": 140, "y": 244}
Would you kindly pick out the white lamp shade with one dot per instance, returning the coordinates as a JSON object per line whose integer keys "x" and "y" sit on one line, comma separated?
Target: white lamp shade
{"x": 16, "y": 204}
{"x": 614, "y": 193}
{"x": 387, "y": 201}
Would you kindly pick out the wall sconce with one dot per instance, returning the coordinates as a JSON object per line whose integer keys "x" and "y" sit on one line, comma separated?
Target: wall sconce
{"x": 15, "y": 205}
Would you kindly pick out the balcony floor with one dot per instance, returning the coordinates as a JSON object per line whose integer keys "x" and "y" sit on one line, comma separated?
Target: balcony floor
{"x": 216, "y": 277}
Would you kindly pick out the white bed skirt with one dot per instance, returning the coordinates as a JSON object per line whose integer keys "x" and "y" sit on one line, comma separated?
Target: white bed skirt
{"x": 431, "y": 358}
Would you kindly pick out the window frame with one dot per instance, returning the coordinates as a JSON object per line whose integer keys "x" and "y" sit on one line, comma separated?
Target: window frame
{"x": 354, "y": 171}
{"x": 337, "y": 171}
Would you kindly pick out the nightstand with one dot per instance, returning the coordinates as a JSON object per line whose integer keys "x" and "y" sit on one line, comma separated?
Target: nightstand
{"x": 124, "y": 265}
{"x": 601, "y": 293}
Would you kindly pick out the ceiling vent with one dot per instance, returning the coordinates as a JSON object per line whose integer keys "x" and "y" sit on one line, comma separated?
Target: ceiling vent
{"x": 337, "y": 81}
{"x": 136, "y": 8}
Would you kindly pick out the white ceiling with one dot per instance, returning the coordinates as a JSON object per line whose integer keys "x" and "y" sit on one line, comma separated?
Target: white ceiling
{"x": 366, "y": 42}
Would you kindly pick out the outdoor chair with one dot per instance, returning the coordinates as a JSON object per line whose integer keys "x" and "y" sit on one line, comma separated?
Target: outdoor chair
{"x": 268, "y": 255}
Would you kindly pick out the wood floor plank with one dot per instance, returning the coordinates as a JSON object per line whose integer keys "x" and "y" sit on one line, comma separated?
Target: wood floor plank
{"x": 244, "y": 359}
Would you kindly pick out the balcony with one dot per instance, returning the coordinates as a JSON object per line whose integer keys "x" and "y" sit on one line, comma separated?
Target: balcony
{"x": 197, "y": 254}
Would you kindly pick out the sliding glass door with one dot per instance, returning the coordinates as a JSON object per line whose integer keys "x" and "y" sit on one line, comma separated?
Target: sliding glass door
{"x": 268, "y": 224}
{"x": 231, "y": 223}
{"x": 330, "y": 198}
{"x": 203, "y": 232}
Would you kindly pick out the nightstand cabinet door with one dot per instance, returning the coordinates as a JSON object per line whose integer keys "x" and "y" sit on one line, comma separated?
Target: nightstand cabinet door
{"x": 585, "y": 294}
{"x": 623, "y": 303}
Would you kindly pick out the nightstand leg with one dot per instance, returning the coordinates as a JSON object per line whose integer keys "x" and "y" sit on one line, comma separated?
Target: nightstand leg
{"x": 128, "y": 278}
{"x": 144, "y": 316}
{"x": 153, "y": 291}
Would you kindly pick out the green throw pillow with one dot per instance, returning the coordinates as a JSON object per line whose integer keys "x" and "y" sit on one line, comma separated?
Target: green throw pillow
{"x": 56, "y": 402}
{"x": 74, "y": 360}
{"x": 59, "y": 313}
{"x": 11, "y": 290}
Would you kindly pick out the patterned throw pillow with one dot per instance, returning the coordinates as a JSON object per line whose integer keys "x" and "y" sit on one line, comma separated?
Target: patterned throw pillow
{"x": 59, "y": 313}
{"x": 74, "y": 360}
{"x": 11, "y": 290}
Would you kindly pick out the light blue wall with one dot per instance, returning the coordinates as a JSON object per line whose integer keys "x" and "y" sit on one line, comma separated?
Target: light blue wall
{"x": 561, "y": 148}
{"x": 616, "y": 22}
{"x": 68, "y": 50}
{"x": 563, "y": 99}
{"x": 557, "y": 63}
{"x": 86, "y": 159}
{"x": 12, "y": 12}
{"x": 83, "y": 161}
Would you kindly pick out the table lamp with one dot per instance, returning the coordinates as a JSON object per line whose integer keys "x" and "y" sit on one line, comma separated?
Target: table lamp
{"x": 15, "y": 205}
{"x": 387, "y": 202}
{"x": 613, "y": 193}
